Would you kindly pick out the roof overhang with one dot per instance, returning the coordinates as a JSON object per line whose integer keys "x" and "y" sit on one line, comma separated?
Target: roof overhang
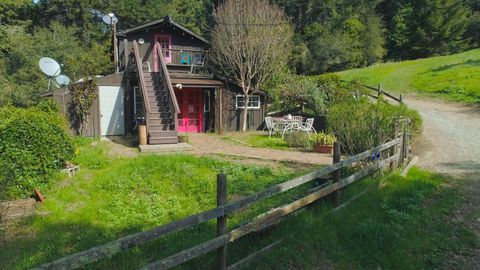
{"x": 196, "y": 83}
{"x": 166, "y": 19}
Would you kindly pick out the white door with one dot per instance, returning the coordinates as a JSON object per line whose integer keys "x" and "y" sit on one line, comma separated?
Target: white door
{"x": 112, "y": 118}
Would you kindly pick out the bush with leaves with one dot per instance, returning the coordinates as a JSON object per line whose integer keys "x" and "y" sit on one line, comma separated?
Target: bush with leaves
{"x": 34, "y": 145}
{"x": 361, "y": 124}
{"x": 298, "y": 139}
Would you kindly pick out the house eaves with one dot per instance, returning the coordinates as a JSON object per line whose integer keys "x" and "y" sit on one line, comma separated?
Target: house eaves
{"x": 166, "y": 19}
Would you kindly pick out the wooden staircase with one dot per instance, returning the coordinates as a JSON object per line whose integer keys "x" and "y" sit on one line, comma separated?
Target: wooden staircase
{"x": 161, "y": 118}
{"x": 161, "y": 107}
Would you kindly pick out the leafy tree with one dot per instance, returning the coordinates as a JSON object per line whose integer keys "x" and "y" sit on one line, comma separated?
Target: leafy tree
{"x": 23, "y": 81}
{"x": 422, "y": 28}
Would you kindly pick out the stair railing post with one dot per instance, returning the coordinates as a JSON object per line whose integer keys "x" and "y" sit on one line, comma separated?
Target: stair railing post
{"x": 222, "y": 221}
{"x": 336, "y": 174}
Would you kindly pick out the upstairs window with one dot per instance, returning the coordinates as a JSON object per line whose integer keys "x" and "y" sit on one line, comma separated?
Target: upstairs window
{"x": 253, "y": 102}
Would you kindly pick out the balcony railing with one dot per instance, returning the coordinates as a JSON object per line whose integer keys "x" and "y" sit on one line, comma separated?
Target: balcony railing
{"x": 192, "y": 61}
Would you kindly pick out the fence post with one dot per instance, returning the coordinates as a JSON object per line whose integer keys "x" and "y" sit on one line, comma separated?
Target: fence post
{"x": 336, "y": 174}
{"x": 394, "y": 164}
{"x": 379, "y": 91}
{"x": 222, "y": 221}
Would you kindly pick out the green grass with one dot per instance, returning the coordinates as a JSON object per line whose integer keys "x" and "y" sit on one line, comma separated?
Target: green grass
{"x": 258, "y": 140}
{"x": 113, "y": 197}
{"x": 454, "y": 77}
{"x": 400, "y": 223}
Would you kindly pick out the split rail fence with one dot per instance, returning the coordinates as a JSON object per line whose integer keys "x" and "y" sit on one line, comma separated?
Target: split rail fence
{"x": 379, "y": 92}
{"x": 392, "y": 153}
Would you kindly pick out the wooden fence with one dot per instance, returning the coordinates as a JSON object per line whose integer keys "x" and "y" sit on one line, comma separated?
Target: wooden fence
{"x": 379, "y": 92}
{"x": 391, "y": 153}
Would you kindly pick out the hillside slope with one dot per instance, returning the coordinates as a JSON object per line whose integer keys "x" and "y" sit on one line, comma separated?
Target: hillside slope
{"x": 454, "y": 77}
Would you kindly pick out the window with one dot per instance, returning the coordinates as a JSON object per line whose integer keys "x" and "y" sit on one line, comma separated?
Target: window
{"x": 253, "y": 102}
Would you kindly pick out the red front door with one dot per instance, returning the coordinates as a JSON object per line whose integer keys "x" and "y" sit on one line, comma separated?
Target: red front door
{"x": 190, "y": 117}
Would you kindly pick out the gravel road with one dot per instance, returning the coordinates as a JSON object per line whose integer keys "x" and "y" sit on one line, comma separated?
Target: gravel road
{"x": 451, "y": 141}
{"x": 451, "y": 145}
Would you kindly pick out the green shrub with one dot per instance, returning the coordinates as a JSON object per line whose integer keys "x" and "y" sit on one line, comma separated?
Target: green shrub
{"x": 361, "y": 124}
{"x": 298, "y": 139}
{"x": 34, "y": 144}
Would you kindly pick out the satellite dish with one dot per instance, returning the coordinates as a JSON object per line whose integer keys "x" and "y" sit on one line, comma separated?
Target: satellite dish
{"x": 49, "y": 66}
{"x": 109, "y": 20}
{"x": 35, "y": 2}
{"x": 62, "y": 80}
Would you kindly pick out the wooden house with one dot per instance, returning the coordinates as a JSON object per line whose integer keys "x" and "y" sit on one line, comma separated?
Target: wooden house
{"x": 164, "y": 79}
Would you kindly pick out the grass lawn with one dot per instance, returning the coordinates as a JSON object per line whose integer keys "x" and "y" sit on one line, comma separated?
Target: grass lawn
{"x": 113, "y": 197}
{"x": 454, "y": 77}
{"x": 258, "y": 140}
{"x": 399, "y": 223}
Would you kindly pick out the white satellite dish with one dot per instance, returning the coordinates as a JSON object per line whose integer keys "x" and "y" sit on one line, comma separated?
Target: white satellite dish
{"x": 62, "y": 80}
{"x": 49, "y": 66}
{"x": 35, "y": 2}
{"x": 109, "y": 20}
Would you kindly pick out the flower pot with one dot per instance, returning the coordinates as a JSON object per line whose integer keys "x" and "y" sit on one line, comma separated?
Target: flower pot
{"x": 323, "y": 149}
{"x": 181, "y": 139}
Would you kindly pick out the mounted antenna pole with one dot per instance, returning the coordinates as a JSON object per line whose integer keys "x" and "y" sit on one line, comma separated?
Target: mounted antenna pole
{"x": 113, "y": 22}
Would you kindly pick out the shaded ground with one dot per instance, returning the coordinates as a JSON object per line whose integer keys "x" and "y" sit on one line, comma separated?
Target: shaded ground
{"x": 451, "y": 145}
{"x": 208, "y": 144}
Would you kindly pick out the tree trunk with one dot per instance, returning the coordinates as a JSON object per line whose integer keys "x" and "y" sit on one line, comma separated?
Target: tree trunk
{"x": 245, "y": 114}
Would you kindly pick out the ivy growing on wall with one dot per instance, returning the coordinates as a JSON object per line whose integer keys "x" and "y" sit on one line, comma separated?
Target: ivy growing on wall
{"x": 83, "y": 96}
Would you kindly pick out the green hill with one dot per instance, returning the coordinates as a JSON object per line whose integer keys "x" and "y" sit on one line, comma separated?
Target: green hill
{"x": 454, "y": 77}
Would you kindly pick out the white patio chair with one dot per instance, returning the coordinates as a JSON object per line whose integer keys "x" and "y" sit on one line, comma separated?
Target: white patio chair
{"x": 308, "y": 126}
{"x": 270, "y": 125}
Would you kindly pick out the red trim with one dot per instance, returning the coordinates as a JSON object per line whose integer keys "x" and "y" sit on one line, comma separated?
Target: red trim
{"x": 155, "y": 55}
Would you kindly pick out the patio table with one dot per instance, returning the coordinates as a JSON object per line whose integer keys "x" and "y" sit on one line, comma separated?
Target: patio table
{"x": 282, "y": 124}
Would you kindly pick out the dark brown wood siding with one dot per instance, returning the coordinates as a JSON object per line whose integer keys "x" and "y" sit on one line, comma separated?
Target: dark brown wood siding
{"x": 232, "y": 117}
{"x": 180, "y": 40}
{"x": 63, "y": 98}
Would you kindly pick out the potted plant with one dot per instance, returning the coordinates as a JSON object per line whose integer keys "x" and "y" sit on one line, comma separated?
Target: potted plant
{"x": 323, "y": 143}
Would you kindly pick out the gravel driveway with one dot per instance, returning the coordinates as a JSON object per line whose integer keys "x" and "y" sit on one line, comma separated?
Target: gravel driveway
{"x": 451, "y": 145}
{"x": 451, "y": 141}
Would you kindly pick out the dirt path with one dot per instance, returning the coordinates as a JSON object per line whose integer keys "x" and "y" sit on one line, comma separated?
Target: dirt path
{"x": 208, "y": 144}
{"x": 451, "y": 145}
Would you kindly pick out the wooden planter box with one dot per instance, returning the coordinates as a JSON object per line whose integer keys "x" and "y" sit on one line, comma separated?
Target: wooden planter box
{"x": 323, "y": 149}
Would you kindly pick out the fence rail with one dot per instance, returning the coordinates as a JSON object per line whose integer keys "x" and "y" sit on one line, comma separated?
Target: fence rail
{"x": 385, "y": 154}
{"x": 380, "y": 91}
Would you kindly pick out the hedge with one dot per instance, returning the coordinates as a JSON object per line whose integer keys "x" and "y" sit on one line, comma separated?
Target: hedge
{"x": 34, "y": 145}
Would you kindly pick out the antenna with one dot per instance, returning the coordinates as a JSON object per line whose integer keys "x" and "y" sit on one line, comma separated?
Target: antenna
{"x": 62, "y": 80}
{"x": 109, "y": 19}
{"x": 52, "y": 69}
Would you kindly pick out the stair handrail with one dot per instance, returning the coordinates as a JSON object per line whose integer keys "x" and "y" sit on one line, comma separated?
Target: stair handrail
{"x": 164, "y": 70}
{"x": 141, "y": 77}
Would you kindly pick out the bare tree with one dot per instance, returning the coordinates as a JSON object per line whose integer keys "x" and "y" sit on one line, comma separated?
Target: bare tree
{"x": 251, "y": 41}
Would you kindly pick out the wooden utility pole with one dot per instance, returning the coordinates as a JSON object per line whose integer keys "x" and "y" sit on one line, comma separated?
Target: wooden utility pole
{"x": 222, "y": 221}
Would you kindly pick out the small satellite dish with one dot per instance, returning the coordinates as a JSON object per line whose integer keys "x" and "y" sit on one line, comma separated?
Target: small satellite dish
{"x": 109, "y": 20}
{"x": 62, "y": 80}
{"x": 49, "y": 66}
{"x": 35, "y": 2}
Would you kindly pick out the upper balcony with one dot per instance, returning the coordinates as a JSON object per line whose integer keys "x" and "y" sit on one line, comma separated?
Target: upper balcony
{"x": 187, "y": 62}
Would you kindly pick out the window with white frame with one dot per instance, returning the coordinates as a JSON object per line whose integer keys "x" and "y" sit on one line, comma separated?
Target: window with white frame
{"x": 253, "y": 102}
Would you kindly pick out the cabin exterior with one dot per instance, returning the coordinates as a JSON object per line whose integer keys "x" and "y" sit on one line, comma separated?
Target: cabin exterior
{"x": 164, "y": 80}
